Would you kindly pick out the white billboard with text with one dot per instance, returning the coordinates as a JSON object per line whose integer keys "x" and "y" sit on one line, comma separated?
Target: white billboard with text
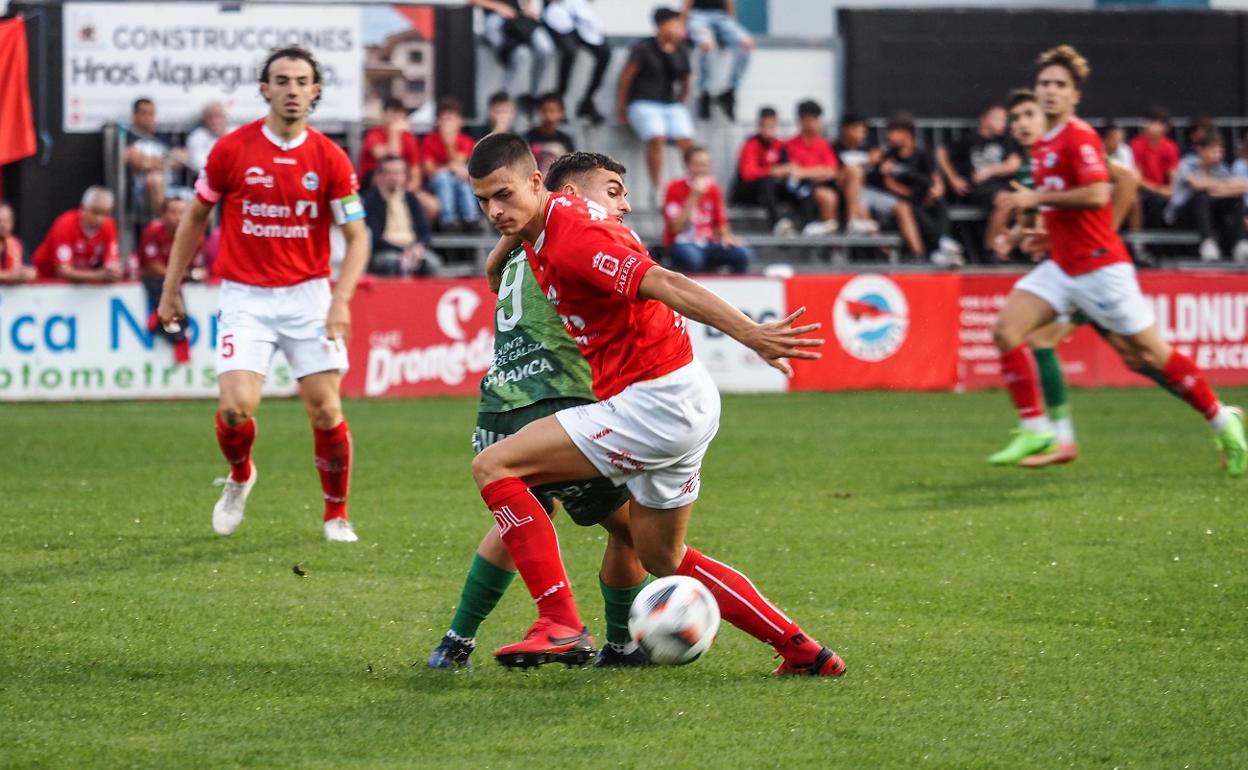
{"x": 737, "y": 369}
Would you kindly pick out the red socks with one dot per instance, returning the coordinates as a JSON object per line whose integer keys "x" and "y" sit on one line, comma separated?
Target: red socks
{"x": 333, "y": 461}
{"x": 1182, "y": 374}
{"x": 742, "y": 605}
{"x": 530, "y": 538}
{"x": 1018, "y": 369}
{"x": 236, "y": 444}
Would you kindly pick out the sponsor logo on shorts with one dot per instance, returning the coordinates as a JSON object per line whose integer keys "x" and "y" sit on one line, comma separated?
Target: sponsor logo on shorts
{"x": 257, "y": 175}
{"x": 691, "y": 484}
{"x": 625, "y": 461}
{"x": 311, "y": 181}
{"x": 600, "y": 435}
{"x": 871, "y": 318}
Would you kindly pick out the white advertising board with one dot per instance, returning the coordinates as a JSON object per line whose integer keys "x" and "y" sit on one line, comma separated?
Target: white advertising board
{"x": 184, "y": 56}
{"x": 66, "y": 343}
{"x": 735, "y": 368}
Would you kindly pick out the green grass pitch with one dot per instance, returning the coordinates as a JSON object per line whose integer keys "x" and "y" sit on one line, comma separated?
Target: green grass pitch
{"x": 1089, "y": 616}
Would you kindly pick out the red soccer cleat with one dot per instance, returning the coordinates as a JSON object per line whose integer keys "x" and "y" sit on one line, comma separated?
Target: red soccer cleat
{"x": 548, "y": 642}
{"x": 1061, "y": 454}
{"x": 827, "y": 663}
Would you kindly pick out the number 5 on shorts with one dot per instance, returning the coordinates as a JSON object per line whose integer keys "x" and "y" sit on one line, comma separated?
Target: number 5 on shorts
{"x": 227, "y": 346}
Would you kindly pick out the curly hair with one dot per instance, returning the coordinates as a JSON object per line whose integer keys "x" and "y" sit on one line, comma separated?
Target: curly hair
{"x": 1066, "y": 57}
{"x": 293, "y": 52}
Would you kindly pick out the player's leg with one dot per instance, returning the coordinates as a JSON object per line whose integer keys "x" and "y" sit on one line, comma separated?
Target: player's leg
{"x": 659, "y": 535}
{"x": 332, "y": 441}
{"x": 1027, "y": 308}
{"x": 908, "y": 226}
{"x": 1043, "y": 343}
{"x": 621, "y": 578}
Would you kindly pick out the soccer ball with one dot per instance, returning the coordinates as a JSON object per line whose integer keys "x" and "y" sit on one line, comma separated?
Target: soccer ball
{"x": 674, "y": 619}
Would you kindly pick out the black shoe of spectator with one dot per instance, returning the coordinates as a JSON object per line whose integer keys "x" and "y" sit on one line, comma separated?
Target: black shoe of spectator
{"x": 727, "y": 102}
{"x": 590, "y": 114}
{"x": 704, "y": 106}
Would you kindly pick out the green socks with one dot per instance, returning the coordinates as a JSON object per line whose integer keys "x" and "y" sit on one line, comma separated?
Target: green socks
{"x": 1052, "y": 383}
{"x": 616, "y": 602}
{"x": 483, "y": 587}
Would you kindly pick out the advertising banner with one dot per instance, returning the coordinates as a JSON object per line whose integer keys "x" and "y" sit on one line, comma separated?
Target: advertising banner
{"x": 70, "y": 342}
{"x": 184, "y": 56}
{"x": 735, "y": 368}
{"x": 882, "y": 331}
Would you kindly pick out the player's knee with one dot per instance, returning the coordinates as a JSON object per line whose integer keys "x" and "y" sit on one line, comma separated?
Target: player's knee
{"x": 236, "y": 414}
{"x": 1005, "y": 337}
{"x": 486, "y": 469}
{"x": 660, "y": 561}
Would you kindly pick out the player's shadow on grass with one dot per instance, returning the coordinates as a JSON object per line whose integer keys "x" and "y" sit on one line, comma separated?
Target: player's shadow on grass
{"x": 988, "y": 490}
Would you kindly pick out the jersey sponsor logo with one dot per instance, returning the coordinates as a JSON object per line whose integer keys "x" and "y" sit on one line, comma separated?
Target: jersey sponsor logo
{"x": 871, "y": 318}
{"x": 264, "y": 210}
{"x": 626, "y": 274}
{"x": 301, "y": 232}
{"x": 508, "y": 519}
{"x": 1050, "y": 159}
{"x": 308, "y": 207}
{"x": 498, "y": 377}
{"x": 311, "y": 181}
{"x": 606, "y": 264}
{"x": 257, "y": 175}
{"x": 1089, "y": 155}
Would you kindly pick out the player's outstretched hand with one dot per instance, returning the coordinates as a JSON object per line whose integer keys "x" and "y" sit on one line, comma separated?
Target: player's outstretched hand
{"x": 779, "y": 341}
{"x": 338, "y": 323}
{"x": 170, "y": 311}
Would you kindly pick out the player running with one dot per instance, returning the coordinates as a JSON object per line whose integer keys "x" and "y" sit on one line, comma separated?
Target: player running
{"x": 1090, "y": 270}
{"x": 537, "y": 371}
{"x": 658, "y": 411}
{"x": 278, "y": 182}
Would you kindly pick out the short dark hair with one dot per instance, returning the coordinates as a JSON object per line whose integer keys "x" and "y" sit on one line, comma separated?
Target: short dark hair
{"x": 1157, "y": 114}
{"x": 809, "y": 108}
{"x": 989, "y": 107}
{"x": 1110, "y": 125}
{"x": 449, "y": 104}
{"x": 1021, "y": 96}
{"x": 574, "y": 164}
{"x": 662, "y": 16}
{"x": 1206, "y": 139}
{"x": 550, "y": 96}
{"x": 500, "y": 151}
{"x": 694, "y": 149}
{"x": 393, "y": 104}
{"x": 851, "y": 119}
{"x": 293, "y": 52}
{"x": 901, "y": 121}
{"x": 390, "y": 159}
{"x": 499, "y": 97}
{"x": 767, "y": 112}
{"x": 1066, "y": 57}
{"x": 142, "y": 100}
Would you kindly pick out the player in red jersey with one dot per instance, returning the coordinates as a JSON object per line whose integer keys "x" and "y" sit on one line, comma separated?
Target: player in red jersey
{"x": 279, "y": 182}
{"x": 650, "y": 430}
{"x": 1089, "y": 270}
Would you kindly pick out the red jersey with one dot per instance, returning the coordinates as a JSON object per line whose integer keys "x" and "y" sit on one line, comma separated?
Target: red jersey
{"x": 1156, "y": 164}
{"x": 155, "y": 244}
{"x": 67, "y": 244}
{"x": 11, "y": 257}
{"x": 757, "y": 157}
{"x": 811, "y": 153}
{"x": 1080, "y": 240}
{"x": 707, "y": 215}
{"x": 435, "y": 151}
{"x": 380, "y": 137}
{"x": 276, "y": 201}
{"x": 590, "y": 266}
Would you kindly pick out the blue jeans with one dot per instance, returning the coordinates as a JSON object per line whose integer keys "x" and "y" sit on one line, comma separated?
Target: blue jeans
{"x": 706, "y": 257}
{"x": 729, "y": 35}
{"x": 455, "y": 198}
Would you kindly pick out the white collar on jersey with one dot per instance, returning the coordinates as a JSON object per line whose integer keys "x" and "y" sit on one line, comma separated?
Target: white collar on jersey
{"x": 1053, "y": 132}
{"x": 541, "y": 238}
{"x": 281, "y": 143}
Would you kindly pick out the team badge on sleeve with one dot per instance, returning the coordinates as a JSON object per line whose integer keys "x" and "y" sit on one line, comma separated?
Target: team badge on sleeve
{"x": 347, "y": 209}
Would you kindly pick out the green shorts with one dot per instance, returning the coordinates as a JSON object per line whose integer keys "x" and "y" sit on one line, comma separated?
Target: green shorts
{"x": 587, "y": 502}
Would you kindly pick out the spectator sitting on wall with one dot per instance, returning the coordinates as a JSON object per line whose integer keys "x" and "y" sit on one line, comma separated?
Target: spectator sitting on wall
{"x": 696, "y": 233}
{"x": 445, "y": 151}
{"x": 574, "y": 25}
{"x": 81, "y": 245}
{"x": 151, "y": 159}
{"x": 394, "y": 137}
{"x": 200, "y": 141}
{"x": 11, "y": 268}
{"x": 979, "y": 167}
{"x": 652, "y": 91}
{"x": 713, "y": 24}
{"x": 853, "y": 151}
{"x": 762, "y": 168}
{"x": 909, "y": 172}
{"x": 547, "y": 141}
{"x": 400, "y": 234}
{"x": 1157, "y": 158}
{"x": 509, "y": 26}
{"x": 153, "y": 257}
{"x": 1209, "y": 199}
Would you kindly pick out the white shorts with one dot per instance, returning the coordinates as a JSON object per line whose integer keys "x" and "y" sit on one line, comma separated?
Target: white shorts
{"x": 257, "y": 321}
{"x": 651, "y": 436}
{"x": 660, "y": 120}
{"x": 1110, "y": 296}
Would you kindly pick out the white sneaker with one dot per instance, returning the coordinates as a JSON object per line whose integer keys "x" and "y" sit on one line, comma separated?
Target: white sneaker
{"x": 784, "y": 226}
{"x": 939, "y": 258}
{"x": 227, "y": 514}
{"x": 950, "y": 246}
{"x": 820, "y": 227}
{"x": 1209, "y": 251}
{"x": 863, "y": 227}
{"x": 1240, "y": 254}
{"x": 339, "y": 531}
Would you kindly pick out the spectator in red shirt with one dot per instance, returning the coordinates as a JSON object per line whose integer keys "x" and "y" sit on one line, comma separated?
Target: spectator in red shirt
{"x": 81, "y": 245}
{"x": 11, "y": 268}
{"x": 155, "y": 243}
{"x": 762, "y": 167}
{"x": 696, "y": 232}
{"x": 446, "y": 150}
{"x": 394, "y": 137}
{"x": 813, "y": 172}
{"x": 1156, "y": 158}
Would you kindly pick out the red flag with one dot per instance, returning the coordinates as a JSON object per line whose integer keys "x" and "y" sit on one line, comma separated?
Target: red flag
{"x": 17, "y": 126}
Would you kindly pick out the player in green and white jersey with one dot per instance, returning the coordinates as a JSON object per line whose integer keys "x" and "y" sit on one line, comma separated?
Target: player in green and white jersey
{"x": 537, "y": 371}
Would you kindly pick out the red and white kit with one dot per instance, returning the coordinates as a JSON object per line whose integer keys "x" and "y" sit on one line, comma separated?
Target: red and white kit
{"x": 277, "y": 199}
{"x": 659, "y": 408}
{"x": 1090, "y": 268}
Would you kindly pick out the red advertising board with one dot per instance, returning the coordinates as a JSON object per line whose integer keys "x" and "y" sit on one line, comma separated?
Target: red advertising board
{"x": 1203, "y": 314}
{"x": 882, "y": 331}
{"x": 420, "y": 338}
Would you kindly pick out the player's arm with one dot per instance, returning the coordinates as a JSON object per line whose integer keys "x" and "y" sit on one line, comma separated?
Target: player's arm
{"x": 186, "y": 242}
{"x": 338, "y": 322}
{"x": 1090, "y": 196}
{"x": 775, "y": 341}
